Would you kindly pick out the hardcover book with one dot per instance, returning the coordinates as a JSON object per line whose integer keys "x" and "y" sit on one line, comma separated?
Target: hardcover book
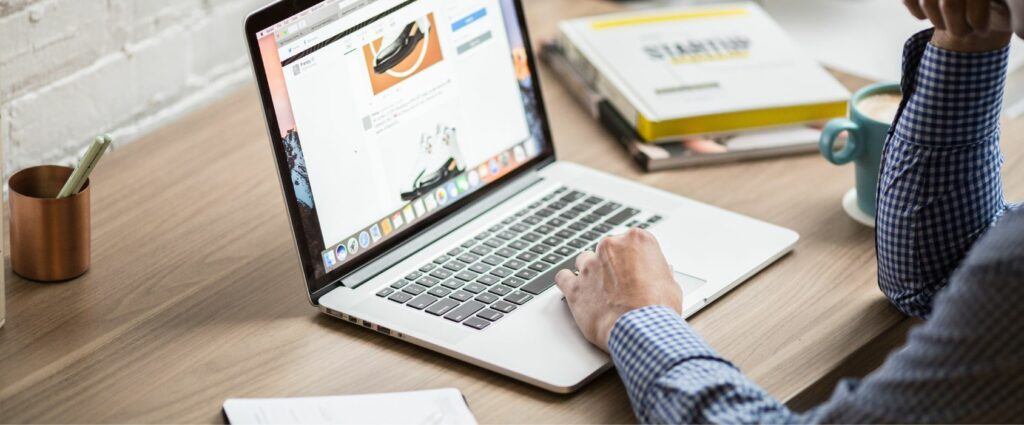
{"x": 682, "y": 71}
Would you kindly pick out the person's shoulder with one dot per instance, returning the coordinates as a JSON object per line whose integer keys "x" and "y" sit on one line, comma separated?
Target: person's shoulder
{"x": 1002, "y": 246}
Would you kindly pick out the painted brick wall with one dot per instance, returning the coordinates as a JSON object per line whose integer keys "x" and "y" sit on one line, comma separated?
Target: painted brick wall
{"x": 70, "y": 69}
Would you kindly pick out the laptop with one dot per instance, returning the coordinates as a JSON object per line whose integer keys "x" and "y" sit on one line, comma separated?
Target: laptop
{"x": 425, "y": 197}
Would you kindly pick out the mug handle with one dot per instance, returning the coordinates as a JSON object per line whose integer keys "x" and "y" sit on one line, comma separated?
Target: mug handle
{"x": 853, "y": 148}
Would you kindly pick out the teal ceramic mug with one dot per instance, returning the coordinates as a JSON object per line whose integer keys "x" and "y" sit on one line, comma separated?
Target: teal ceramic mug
{"x": 864, "y": 142}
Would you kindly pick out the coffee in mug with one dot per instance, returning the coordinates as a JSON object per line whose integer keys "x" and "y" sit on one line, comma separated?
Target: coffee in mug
{"x": 881, "y": 107}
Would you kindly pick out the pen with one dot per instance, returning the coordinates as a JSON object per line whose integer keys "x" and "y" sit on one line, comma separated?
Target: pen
{"x": 85, "y": 167}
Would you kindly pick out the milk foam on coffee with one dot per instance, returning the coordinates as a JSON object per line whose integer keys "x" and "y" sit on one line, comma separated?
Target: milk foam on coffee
{"x": 881, "y": 107}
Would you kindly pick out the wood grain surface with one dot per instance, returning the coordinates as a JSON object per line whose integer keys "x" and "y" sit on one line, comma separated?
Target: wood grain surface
{"x": 195, "y": 293}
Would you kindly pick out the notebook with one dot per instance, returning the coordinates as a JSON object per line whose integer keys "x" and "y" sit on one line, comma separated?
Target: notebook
{"x": 441, "y": 406}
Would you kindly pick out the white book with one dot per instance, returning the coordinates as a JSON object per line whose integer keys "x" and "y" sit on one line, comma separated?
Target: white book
{"x": 442, "y": 406}
{"x": 679, "y": 71}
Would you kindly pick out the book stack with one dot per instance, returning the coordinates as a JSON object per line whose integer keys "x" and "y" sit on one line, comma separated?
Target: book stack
{"x": 696, "y": 85}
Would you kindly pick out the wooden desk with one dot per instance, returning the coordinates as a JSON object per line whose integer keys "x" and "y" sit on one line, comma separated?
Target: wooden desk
{"x": 195, "y": 293}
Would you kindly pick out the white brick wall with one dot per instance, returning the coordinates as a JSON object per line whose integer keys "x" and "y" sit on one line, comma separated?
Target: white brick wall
{"x": 71, "y": 69}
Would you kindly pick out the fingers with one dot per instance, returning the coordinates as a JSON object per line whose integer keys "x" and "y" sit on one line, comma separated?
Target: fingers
{"x": 915, "y": 9}
{"x": 566, "y": 281}
{"x": 583, "y": 260}
{"x": 954, "y": 14}
{"x": 934, "y": 13}
{"x": 979, "y": 15}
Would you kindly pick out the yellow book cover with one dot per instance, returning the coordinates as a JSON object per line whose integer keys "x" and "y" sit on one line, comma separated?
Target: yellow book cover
{"x": 680, "y": 71}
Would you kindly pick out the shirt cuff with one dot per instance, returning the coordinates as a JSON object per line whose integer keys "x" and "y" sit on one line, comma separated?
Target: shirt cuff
{"x": 648, "y": 342}
{"x": 951, "y": 98}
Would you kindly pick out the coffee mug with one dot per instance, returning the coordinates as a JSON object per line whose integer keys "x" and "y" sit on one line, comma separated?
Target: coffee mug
{"x": 866, "y": 136}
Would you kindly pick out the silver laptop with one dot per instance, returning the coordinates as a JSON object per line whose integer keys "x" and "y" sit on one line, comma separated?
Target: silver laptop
{"x": 425, "y": 196}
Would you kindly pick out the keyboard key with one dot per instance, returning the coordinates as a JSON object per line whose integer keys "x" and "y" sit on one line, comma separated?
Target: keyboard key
{"x": 467, "y": 276}
{"x": 509, "y": 220}
{"x": 504, "y": 306}
{"x": 542, "y": 282}
{"x": 523, "y": 212}
{"x": 468, "y": 258}
{"x": 477, "y": 323}
{"x": 442, "y": 259}
{"x": 482, "y": 236}
{"x": 590, "y": 219}
{"x": 607, "y": 209}
{"x": 590, "y": 236}
{"x": 428, "y": 267}
{"x": 400, "y": 284}
{"x": 413, "y": 276}
{"x": 490, "y": 315}
{"x": 495, "y": 228}
{"x": 493, "y": 260}
{"x": 531, "y": 237}
{"x": 557, "y": 205}
{"x": 462, "y": 296}
{"x": 505, "y": 252}
{"x": 602, "y": 228}
{"x": 501, "y": 272}
{"x": 539, "y": 267}
{"x": 514, "y": 264}
{"x": 655, "y": 219}
{"x": 400, "y": 297}
{"x": 385, "y": 292}
{"x": 553, "y": 258}
{"x": 455, "y": 252}
{"x": 519, "y": 228}
{"x": 578, "y": 243}
{"x": 545, "y": 213}
{"x": 544, "y": 229}
{"x": 519, "y": 298}
{"x": 468, "y": 309}
{"x": 474, "y": 288}
{"x": 540, "y": 249}
{"x": 455, "y": 266}
{"x": 553, "y": 241}
{"x": 526, "y": 274}
{"x": 518, "y": 245}
{"x": 581, "y": 207}
{"x": 481, "y": 250}
{"x": 501, "y": 290}
{"x": 495, "y": 243}
{"x": 439, "y": 292}
{"x": 488, "y": 280}
{"x": 468, "y": 244}
{"x": 441, "y": 274}
{"x": 453, "y": 284}
{"x": 565, "y": 233}
{"x": 535, "y": 205}
{"x": 532, "y": 220}
{"x": 573, "y": 196}
{"x": 414, "y": 289}
{"x": 565, "y": 251}
{"x": 442, "y": 307}
{"x": 578, "y": 226}
{"x": 480, "y": 268}
{"x": 507, "y": 235}
{"x": 527, "y": 256}
{"x": 556, "y": 222}
{"x": 593, "y": 200}
{"x": 569, "y": 215}
{"x": 428, "y": 281}
{"x": 423, "y": 301}
{"x": 622, "y": 216}
{"x": 486, "y": 298}
{"x": 514, "y": 282}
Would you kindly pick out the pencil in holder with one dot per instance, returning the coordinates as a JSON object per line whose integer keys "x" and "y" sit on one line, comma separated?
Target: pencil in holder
{"x": 50, "y": 237}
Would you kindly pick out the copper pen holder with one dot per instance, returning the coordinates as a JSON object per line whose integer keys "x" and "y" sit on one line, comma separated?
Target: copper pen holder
{"x": 50, "y": 238}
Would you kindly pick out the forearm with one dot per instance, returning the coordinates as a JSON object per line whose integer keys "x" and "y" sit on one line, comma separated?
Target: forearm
{"x": 940, "y": 185}
{"x": 673, "y": 376}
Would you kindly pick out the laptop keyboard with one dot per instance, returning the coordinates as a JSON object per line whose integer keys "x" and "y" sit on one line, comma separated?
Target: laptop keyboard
{"x": 487, "y": 277}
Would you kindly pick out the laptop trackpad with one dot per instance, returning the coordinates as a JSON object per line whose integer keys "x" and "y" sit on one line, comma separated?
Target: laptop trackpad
{"x": 690, "y": 284}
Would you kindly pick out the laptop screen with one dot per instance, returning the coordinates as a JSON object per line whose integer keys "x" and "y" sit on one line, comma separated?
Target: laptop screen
{"x": 393, "y": 111}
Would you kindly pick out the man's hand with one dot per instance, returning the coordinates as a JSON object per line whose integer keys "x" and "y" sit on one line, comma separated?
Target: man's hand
{"x": 965, "y": 25}
{"x": 627, "y": 272}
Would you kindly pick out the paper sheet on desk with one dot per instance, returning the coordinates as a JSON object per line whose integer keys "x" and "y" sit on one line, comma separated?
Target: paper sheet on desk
{"x": 443, "y": 406}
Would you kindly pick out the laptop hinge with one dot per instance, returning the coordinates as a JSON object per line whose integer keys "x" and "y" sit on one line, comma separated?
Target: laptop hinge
{"x": 434, "y": 233}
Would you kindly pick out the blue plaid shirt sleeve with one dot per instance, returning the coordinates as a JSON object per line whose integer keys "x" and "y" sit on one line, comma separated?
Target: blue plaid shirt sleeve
{"x": 940, "y": 187}
{"x": 940, "y": 191}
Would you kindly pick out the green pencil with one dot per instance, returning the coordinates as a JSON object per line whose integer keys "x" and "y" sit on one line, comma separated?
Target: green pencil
{"x": 85, "y": 166}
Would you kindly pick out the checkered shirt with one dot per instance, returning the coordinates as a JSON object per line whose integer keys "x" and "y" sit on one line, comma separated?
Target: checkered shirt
{"x": 949, "y": 249}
